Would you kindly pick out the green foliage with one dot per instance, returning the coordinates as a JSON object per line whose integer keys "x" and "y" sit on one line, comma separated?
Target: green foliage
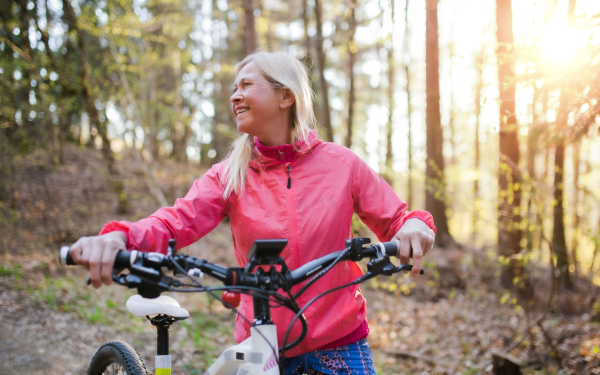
{"x": 12, "y": 271}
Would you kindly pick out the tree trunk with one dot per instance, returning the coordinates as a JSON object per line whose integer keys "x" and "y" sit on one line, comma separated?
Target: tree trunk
{"x": 86, "y": 86}
{"x": 151, "y": 113}
{"x": 479, "y": 68}
{"x": 250, "y": 40}
{"x": 391, "y": 78}
{"x": 308, "y": 58}
{"x": 559, "y": 241}
{"x": 406, "y": 47}
{"x": 509, "y": 218}
{"x": 533, "y": 139}
{"x": 325, "y": 114}
{"x": 308, "y": 61}
{"x": 435, "y": 195}
{"x": 576, "y": 217}
{"x": 352, "y": 50}
{"x": 181, "y": 136}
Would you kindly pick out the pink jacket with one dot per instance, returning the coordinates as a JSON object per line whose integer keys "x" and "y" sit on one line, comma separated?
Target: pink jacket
{"x": 327, "y": 183}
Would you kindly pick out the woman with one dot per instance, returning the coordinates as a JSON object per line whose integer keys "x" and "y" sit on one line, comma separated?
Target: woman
{"x": 281, "y": 181}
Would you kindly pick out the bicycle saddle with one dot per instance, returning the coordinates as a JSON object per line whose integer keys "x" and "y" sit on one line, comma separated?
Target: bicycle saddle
{"x": 140, "y": 306}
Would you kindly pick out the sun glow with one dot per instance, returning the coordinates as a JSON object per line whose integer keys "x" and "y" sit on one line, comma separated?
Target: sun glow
{"x": 560, "y": 42}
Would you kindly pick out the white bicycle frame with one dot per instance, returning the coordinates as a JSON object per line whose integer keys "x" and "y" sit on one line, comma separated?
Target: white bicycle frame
{"x": 258, "y": 354}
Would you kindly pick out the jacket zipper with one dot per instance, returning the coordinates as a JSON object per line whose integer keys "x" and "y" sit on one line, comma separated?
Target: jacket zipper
{"x": 289, "y": 185}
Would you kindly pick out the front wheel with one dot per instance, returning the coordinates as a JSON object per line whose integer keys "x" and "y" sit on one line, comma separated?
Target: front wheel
{"x": 117, "y": 357}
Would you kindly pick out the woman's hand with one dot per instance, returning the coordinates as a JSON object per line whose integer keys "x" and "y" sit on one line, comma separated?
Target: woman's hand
{"x": 97, "y": 254}
{"x": 416, "y": 240}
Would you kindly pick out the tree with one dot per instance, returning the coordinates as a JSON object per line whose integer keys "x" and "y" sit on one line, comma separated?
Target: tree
{"x": 389, "y": 128}
{"x": 509, "y": 218}
{"x": 435, "y": 192}
{"x": 409, "y": 147}
{"x": 559, "y": 241}
{"x": 325, "y": 110}
{"x": 352, "y": 51}
{"x": 250, "y": 39}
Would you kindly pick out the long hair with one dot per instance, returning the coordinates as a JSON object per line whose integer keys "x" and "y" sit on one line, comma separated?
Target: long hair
{"x": 282, "y": 71}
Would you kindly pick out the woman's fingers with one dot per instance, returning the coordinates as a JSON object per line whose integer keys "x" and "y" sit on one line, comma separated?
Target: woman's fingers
{"x": 416, "y": 240}
{"x": 417, "y": 256}
{"x": 98, "y": 254}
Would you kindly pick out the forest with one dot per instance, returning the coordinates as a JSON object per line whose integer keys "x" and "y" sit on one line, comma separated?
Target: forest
{"x": 486, "y": 113}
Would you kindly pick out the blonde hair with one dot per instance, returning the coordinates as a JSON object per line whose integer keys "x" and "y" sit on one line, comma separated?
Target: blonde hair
{"x": 282, "y": 71}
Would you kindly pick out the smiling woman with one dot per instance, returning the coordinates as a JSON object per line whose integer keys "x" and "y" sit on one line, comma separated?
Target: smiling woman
{"x": 282, "y": 181}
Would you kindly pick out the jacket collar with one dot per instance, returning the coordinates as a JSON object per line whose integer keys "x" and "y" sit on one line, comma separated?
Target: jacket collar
{"x": 266, "y": 156}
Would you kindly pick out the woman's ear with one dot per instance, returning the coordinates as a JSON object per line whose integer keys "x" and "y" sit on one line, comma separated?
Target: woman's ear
{"x": 287, "y": 98}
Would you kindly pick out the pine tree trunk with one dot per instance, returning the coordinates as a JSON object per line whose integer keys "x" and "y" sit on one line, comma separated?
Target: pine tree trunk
{"x": 559, "y": 241}
{"x": 509, "y": 218}
{"x": 325, "y": 114}
{"x": 475, "y": 218}
{"x": 435, "y": 194}
{"x": 351, "y": 62}
{"x": 250, "y": 40}
{"x": 406, "y": 47}
{"x": 391, "y": 78}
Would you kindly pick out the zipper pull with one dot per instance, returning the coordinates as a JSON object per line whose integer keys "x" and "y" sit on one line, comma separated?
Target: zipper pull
{"x": 289, "y": 185}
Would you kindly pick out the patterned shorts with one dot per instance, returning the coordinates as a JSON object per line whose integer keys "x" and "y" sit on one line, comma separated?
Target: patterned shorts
{"x": 351, "y": 359}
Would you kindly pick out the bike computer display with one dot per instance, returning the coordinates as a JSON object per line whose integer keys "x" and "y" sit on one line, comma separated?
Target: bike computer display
{"x": 267, "y": 250}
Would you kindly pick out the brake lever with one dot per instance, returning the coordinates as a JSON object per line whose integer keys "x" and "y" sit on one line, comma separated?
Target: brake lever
{"x": 383, "y": 266}
{"x": 406, "y": 267}
{"x": 116, "y": 278}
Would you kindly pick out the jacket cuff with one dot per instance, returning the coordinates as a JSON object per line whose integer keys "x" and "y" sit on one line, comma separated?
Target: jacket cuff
{"x": 421, "y": 215}
{"x": 114, "y": 226}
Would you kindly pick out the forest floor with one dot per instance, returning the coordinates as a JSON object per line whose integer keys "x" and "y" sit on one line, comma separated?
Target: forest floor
{"x": 449, "y": 321}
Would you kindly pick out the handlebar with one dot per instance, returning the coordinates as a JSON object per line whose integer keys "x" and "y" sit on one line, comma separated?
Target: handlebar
{"x": 150, "y": 264}
{"x": 146, "y": 273}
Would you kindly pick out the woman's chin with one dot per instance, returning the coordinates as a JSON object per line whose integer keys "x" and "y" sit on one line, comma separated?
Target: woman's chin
{"x": 244, "y": 129}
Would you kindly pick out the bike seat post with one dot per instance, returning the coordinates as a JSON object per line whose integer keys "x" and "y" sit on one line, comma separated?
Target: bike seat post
{"x": 163, "y": 359}
{"x": 162, "y": 339}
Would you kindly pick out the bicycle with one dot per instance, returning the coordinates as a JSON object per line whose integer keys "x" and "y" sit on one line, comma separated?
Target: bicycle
{"x": 260, "y": 278}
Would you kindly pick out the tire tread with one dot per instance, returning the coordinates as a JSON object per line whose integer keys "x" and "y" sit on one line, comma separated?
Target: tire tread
{"x": 117, "y": 352}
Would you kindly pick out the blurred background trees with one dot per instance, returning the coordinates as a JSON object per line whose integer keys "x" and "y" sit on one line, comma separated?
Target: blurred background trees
{"x": 483, "y": 112}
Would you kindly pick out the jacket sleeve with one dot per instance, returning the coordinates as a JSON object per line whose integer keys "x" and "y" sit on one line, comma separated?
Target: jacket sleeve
{"x": 378, "y": 205}
{"x": 188, "y": 220}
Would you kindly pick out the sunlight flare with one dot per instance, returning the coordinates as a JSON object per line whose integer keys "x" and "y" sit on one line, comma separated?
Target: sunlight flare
{"x": 560, "y": 42}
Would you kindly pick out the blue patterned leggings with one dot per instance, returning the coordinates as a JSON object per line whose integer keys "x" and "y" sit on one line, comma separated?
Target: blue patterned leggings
{"x": 351, "y": 359}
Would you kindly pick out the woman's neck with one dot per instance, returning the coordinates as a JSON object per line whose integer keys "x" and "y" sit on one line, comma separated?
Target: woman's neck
{"x": 273, "y": 140}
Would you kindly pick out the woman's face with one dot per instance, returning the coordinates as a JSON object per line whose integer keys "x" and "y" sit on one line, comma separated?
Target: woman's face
{"x": 257, "y": 106}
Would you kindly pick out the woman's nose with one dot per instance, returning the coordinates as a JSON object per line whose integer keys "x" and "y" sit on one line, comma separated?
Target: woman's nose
{"x": 235, "y": 97}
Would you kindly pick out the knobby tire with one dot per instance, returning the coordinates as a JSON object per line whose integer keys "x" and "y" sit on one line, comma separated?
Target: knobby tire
{"x": 117, "y": 357}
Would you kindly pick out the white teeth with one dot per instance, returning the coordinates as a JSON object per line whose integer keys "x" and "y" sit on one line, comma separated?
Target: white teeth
{"x": 241, "y": 110}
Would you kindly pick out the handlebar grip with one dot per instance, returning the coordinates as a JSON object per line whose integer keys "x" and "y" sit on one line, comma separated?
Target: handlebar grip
{"x": 64, "y": 258}
{"x": 124, "y": 258}
{"x": 391, "y": 247}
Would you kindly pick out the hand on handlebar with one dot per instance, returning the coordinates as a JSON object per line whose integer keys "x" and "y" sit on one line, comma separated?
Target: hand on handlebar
{"x": 416, "y": 240}
{"x": 97, "y": 254}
